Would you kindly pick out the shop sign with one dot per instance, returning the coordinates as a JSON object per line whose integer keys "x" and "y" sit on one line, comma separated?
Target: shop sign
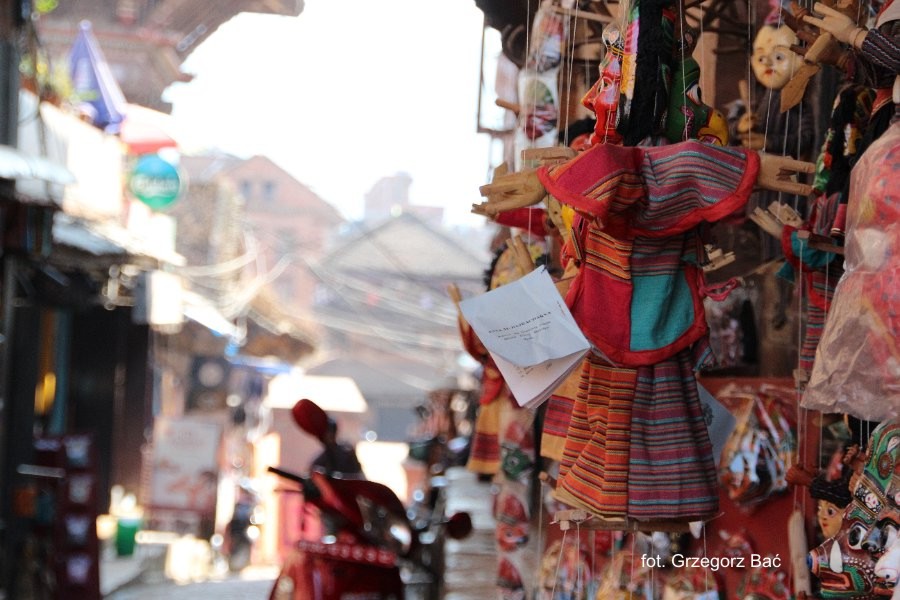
{"x": 155, "y": 181}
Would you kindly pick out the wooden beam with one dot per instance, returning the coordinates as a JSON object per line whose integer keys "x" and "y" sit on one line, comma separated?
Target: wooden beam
{"x": 820, "y": 242}
{"x": 586, "y": 520}
{"x": 580, "y": 14}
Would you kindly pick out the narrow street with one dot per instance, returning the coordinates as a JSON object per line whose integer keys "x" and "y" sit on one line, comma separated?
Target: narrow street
{"x": 252, "y": 584}
{"x": 470, "y": 573}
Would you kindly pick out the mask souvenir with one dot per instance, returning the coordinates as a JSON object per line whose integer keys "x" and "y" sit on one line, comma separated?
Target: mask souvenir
{"x": 687, "y": 117}
{"x": 773, "y": 61}
{"x": 603, "y": 97}
{"x": 887, "y": 569}
{"x": 829, "y": 516}
{"x": 512, "y": 523}
{"x": 509, "y": 580}
{"x": 845, "y": 564}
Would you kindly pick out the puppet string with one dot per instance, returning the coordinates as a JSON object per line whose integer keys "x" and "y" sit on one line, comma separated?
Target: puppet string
{"x": 827, "y": 308}
{"x": 682, "y": 25}
{"x": 778, "y": 23}
{"x": 571, "y": 30}
{"x": 706, "y": 572}
{"x": 540, "y": 532}
{"x": 579, "y": 569}
{"x": 750, "y": 88}
{"x": 592, "y": 536}
{"x": 633, "y": 537}
{"x": 702, "y": 42}
{"x": 559, "y": 557}
{"x": 528, "y": 66}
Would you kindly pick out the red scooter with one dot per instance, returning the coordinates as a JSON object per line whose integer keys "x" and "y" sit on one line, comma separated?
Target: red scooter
{"x": 369, "y": 549}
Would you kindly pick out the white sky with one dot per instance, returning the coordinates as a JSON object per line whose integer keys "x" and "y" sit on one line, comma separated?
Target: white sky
{"x": 347, "y": 93}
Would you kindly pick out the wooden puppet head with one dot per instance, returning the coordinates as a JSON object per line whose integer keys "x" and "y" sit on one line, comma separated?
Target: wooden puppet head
{"x": 603, "y": 97}
{"x": 773, "y": 61}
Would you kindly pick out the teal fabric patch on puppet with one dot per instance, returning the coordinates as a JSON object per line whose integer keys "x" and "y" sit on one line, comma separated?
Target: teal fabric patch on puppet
{"x": 662, "y": 309}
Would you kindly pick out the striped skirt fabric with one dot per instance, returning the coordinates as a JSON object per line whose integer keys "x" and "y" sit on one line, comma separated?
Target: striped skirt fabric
{"x": 555, "y": 426}
{"x": 638, "y": 446}
{"x": 484, "y": 454}
{"x": 594, "y": 469}
{"x": 672, "y": 473}
{"x": 820, "y": 289}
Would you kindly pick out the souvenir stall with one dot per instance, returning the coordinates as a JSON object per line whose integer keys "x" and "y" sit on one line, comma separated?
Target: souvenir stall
{"x": 724, "y": 422}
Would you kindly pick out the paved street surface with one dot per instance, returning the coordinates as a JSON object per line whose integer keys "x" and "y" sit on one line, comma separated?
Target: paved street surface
{"x": 472, "y": 562}
{"x": 470, "y": 573}
{"x": 254, "y": 583}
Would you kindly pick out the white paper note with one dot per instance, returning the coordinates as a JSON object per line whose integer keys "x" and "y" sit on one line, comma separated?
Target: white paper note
{"x": 529, "y": 331}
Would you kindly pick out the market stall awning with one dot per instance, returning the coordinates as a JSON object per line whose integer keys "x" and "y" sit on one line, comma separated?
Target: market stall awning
{"x": 106, "y": 237}
{"x": 15, "y": 164}
{"x": 39, "y": 174}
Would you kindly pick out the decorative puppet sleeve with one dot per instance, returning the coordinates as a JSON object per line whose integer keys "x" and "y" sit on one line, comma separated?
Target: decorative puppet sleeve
{"x": 882, "y": 50}
{"x": 692, "y": 182}
{"x": 601, "y": 180}
{"x": 529, "y": 219}
{"x": 668, "y": 189}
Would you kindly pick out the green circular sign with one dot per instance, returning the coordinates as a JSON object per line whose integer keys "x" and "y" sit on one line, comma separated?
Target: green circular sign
{"x": 155, "y": 181}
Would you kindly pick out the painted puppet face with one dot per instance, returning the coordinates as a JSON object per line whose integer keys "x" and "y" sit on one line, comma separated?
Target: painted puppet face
{"x": 829, "y": 516}
{"x": 687, "y": 117}
{"x": 603, "y": 97}
{"x": 773, "y": 61}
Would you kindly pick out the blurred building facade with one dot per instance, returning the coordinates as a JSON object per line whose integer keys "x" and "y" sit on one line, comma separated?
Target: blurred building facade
{"x": 103, "y": 333}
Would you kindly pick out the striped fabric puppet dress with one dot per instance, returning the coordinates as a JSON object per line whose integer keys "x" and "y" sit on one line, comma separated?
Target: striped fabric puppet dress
{"x": 637, "y": 445}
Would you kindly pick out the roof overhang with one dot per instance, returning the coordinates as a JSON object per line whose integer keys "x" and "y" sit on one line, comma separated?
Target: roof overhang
{"x": 38, "y": 180}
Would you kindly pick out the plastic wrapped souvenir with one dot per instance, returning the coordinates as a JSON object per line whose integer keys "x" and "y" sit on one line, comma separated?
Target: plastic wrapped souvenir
{"x": 857, "y": 364}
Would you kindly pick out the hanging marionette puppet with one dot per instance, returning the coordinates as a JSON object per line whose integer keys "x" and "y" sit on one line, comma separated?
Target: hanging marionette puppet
{"x": 686, "y": 118}
{"x": 869, "y": 57}
{"x": 763, "y": 126}
{"x": 812, "y": 255}
{"x": 637, "y": 297}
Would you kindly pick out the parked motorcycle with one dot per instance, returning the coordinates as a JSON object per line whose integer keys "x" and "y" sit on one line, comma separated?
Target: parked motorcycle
{"x": 370, "y": 547}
